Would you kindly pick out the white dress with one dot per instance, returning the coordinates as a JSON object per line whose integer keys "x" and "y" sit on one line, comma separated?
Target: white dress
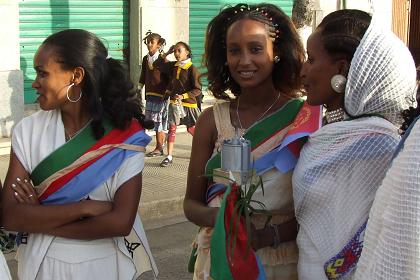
{"x": 49, "y": 257}
{"x": 278, "y": 263}
{"x": 4, "y": 269}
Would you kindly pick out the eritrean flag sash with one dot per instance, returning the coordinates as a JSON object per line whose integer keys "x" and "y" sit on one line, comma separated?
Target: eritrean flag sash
{"x": 281, "y": 136}
{"x": 276, "y": 141}
{"x": 242, "y": 263}
{"x": 286, "y": 129}
{"x": 82, "y": 164}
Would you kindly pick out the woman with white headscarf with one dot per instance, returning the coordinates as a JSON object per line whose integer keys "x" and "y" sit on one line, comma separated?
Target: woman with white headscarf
{"x": 391, "y": 248}
{"x": 363, "y": 75}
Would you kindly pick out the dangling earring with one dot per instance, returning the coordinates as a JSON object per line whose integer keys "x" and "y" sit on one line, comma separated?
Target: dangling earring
{"x": 68, "y": 97}
{"x": 338, "y": 83}
{"x": 276, "y": 59}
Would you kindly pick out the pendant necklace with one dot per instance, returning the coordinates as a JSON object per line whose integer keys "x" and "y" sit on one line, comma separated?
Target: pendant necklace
{"x": 69, "y": 136}
{"x": 243, "y": 131}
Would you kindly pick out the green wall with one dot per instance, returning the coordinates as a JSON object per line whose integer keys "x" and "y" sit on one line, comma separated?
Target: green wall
{"x": 40, "y": 18}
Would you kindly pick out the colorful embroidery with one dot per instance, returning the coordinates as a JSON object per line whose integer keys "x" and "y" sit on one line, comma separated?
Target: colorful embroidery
{"x": 345, "y": 261}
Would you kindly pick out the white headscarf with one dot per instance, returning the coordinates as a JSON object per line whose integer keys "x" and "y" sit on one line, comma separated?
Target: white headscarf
{"x": 342, "y": 164}
{"x": 382, "y": 76}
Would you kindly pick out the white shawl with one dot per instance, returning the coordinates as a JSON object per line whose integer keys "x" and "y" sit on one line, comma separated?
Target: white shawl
{"x": 342, "y": 164}
{"x": 392, "y": 241}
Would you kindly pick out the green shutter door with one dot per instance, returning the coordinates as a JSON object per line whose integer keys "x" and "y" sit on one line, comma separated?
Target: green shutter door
{"x": 40, "y": 18}
{"x": 202, "y": 11}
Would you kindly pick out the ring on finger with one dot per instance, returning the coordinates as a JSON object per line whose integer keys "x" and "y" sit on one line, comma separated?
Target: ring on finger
{"x": 31, "y": 195}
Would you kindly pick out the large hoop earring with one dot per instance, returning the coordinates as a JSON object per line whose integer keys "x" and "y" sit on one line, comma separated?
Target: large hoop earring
{"x": 68, "y": 97}
{"x": 338, "y": 83}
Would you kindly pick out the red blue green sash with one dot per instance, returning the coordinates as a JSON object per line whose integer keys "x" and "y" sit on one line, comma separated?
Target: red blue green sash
{"x": 78, "y": 167}
{"x": 276, "y": 140}
{"x": 276, "y": 143}
{"x": 232, "y": 261}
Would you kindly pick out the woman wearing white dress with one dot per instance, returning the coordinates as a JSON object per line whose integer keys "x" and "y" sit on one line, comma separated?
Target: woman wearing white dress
{"x": 75, "y": 175}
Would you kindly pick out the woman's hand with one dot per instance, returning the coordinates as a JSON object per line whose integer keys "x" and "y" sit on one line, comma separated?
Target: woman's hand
{"x": 269, "y": 236}
{"x": 261, "y": 238}
{"x": 24, "y": 191}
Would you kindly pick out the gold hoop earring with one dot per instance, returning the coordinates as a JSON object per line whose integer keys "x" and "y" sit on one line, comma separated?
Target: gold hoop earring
{"x": 68, "y": 97}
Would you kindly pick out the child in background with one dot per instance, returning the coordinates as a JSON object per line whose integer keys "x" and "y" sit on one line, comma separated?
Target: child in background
{"x": 156, "y": 84}
{"x": 183, "y": 90}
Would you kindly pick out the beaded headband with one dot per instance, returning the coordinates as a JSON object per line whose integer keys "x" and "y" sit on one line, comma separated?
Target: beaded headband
{"x": 274, "y": 30}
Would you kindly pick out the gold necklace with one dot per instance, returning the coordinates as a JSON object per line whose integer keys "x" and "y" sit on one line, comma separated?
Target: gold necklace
{"x": 69, "y": 136}
{"x": 259, "y": 118}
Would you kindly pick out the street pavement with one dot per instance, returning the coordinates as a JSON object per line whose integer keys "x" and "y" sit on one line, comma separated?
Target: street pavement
{"x": 171, "y": 247}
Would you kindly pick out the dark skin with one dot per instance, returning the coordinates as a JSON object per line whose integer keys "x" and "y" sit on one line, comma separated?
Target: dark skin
{"x": 250, "y": 57}
{"x": 88, "y": 219}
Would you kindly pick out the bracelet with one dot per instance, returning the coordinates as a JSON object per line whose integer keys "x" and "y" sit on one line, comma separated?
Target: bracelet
{"x": 276, "y": 236}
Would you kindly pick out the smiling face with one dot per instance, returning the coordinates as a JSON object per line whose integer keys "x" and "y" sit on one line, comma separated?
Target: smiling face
{"x": 317, "y": 72}
{"x": 180, "y": 52}
{"x": 249, "y": 53}
{"x": 152, "y": 45}
{"x": 51, "y": 80}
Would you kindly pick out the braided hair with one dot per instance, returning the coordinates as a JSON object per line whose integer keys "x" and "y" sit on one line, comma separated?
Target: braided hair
{"x": 286, "y": 43}
{"x": 154, "y": 36}
{"x": 341, "y": 32}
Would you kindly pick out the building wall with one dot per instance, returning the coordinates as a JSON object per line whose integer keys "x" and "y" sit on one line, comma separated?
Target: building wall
{"x": 11, "y": 78}
{"x": 169, "y": 18}
{"x": 381, "y": 8}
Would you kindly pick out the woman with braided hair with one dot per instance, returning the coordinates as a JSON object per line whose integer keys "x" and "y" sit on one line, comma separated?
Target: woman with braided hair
{"x": 254, "y": 52}
{"x": 364, "y": 76}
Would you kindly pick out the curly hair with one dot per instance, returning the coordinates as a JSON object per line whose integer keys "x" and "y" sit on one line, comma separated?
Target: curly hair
{"x": 155, "y": 36}
{"x": 410, "y": 114}
{"x": 106, "y": 85}
{"x": 286, "y": 44}
{"x": 341, "y": 32}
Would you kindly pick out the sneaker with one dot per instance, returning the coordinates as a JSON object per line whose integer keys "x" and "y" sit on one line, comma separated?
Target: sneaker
{"x": 166, "y": 162}
{"x": 155, "y": 153}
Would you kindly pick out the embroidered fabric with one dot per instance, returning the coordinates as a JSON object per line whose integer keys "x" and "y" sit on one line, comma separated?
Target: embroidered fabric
{"x": 343, "y": 163}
